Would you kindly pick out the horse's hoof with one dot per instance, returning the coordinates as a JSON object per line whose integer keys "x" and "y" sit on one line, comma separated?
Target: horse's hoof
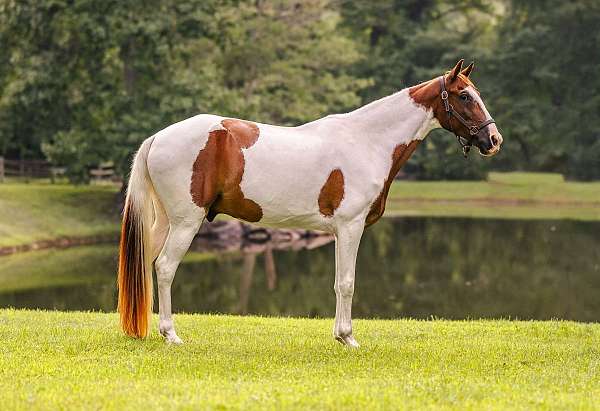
{"x": 172, "y": 338}
{"x": 348, "y": 340}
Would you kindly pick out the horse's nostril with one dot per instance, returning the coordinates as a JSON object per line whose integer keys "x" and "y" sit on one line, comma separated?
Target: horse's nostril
{"x": 495, "y": 140}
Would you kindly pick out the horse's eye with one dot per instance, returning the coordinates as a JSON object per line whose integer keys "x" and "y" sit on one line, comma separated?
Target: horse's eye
{"x": 464, "y": 97}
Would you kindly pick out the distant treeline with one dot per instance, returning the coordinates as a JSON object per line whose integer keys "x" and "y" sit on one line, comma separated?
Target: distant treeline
{"x": 85, "y": 81}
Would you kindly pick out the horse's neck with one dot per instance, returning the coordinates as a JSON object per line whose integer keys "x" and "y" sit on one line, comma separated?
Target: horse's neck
{"x": 384, "y": 123}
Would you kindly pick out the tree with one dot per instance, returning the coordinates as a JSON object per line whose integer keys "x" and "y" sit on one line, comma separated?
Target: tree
{"x": 546, "y": 76}
{"x": 90, "y": 80}
{"x": 86, "y": 81}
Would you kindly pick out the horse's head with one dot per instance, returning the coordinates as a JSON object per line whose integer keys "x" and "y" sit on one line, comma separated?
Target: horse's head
{"x": 458, "y": 107}
{"x": 464, "y": 112}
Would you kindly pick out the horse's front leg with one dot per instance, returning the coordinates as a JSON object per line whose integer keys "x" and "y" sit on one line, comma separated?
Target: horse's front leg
{"x": 347, "y": 240}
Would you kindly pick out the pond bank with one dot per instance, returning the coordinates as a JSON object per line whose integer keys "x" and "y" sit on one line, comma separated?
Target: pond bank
{"x": 62, "y": 242}
{"x": 44, "y": 213}
{"x": 284, "y": 363}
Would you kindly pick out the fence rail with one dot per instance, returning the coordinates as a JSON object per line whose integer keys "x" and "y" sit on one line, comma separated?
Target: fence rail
{"x": 30, "y": 169}
{"x": 26, "y": 168}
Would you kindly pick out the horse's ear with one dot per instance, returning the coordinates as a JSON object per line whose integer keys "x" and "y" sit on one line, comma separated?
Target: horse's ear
{"x": 456, "y": 70}
{"x": 467, "y": 71}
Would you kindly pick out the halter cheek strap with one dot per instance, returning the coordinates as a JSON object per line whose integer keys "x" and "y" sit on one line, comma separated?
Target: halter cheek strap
{"x": 473, "y": 129}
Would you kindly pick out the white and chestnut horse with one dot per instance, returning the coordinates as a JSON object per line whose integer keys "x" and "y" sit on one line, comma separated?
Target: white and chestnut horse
{"x": 332, "y": 174}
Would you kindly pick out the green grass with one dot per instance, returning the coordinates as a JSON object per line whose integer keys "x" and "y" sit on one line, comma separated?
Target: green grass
{"x": 504, "y": 195}
{"x": 37, "y": 211}
{"x": 57, "y": 360}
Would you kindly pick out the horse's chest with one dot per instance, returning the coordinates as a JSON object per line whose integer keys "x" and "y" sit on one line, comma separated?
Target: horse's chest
{"x": 400, "y": 156}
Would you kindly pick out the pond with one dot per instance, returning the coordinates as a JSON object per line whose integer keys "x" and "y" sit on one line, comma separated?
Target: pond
{"x": 411, "y": 267}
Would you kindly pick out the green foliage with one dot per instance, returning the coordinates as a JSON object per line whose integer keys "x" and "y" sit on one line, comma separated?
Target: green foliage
{"x": 85, "y": 82}
{"x": 545, "y": 77}
{"x": 286, "y": 62}
{"x": 89, "y": 81}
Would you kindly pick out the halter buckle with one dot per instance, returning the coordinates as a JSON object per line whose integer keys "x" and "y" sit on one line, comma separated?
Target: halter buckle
{"x": 473, "y": 130}
{"x": 444, "y": 95}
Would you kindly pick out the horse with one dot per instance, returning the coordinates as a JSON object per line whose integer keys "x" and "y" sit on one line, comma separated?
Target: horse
{"x": 332, "y": 174}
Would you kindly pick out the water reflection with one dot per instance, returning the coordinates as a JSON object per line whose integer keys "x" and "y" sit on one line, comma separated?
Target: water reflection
{"x": 417, "y": 267}
{"x": 233, "y": 236}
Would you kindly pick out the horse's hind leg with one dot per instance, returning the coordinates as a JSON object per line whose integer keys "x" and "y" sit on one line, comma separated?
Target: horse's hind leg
{"x": 181, "y": 233}
{"x": 160, "y": 228}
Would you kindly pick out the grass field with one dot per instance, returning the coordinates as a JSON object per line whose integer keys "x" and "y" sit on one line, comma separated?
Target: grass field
{"x": 56, "y": 360}
{"x": 35, "y": 211}
{"x": 504, "y": 195}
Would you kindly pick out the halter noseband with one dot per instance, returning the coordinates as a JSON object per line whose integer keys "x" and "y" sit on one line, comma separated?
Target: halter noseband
{"x": 473, "y": 130}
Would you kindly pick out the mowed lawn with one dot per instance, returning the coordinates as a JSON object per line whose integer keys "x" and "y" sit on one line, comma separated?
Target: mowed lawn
{"x": 515, "y": 195}
{"x": 42, "y": 211}
{"x": 55, "y": 360}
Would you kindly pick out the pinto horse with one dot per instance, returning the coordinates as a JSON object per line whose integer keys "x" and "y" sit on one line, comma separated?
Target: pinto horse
{"x": 332, "y": 174}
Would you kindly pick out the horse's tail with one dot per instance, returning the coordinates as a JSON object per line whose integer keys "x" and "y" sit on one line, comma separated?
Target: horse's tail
{"x": 135, "y": 257}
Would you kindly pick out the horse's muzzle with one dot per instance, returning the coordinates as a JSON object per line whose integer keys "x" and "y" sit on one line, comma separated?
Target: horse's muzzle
{"x": 489, "y": 144}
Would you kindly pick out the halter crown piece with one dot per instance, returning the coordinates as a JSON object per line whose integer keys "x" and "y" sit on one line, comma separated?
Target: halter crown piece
{"x": 473, "y": 129}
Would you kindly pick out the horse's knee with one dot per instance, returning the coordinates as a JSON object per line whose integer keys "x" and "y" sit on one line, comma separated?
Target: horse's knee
{"x": 345, "y": 288}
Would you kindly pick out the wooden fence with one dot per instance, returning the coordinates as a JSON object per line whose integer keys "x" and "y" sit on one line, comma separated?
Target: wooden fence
{"x": 31, "y": 169}
{"x": 26, "y": 169}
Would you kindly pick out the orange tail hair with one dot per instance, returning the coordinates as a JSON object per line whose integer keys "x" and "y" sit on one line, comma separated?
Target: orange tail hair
{"x": 135, "y": 265}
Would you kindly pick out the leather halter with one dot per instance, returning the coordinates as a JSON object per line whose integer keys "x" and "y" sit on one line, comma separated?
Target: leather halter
{"x": 473, "y": 129}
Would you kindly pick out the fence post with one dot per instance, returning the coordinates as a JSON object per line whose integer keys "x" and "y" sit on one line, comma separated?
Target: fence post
{"x": 1, "y": 169}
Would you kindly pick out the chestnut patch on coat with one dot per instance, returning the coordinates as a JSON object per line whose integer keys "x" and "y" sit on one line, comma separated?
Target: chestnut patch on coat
{"x": 400, "y": 155}
{"x": 332, "y": 193}
{"x": 218, "y": 170}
